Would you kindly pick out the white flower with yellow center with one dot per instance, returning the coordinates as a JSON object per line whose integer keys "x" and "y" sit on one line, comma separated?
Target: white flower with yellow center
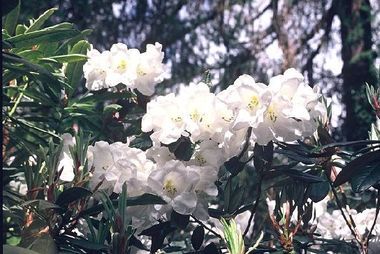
{"x": 248, "y": 99}
{"x": 123, "y": 65}
{"x": 149, "y": 69}
{"x": 165, "y": 117}
{"x": 96, "y": 69}
{"x": 176, "y": 185}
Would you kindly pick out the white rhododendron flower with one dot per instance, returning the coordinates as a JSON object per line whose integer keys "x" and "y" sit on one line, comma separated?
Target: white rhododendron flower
{"x": 249, "y": 100}
{"x": 66, "y": 162}
{"x": 176, "y": 185}
{"x": 123, "y": 65}
{"x": 165, "y": 117}
{"x": 96, "y": 69}
{"x": 149, "y": 69}
{"x": 129, "y": 67}
{"x": 104, "y": 173}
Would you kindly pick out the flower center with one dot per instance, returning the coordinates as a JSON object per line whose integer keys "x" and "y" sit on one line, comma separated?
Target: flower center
{"x": 140, "y": 71}
{"x": 195, "y": 116}
{"x": 169, "y": 187}
{"x": 200, "y": 159}
{"x": 253, "y": 103}
{"x": 122, "y": 65}
{"x": 271, "y": 114}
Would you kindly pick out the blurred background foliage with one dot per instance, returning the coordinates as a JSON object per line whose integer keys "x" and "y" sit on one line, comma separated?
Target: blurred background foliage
{"x": 335, "y": 43}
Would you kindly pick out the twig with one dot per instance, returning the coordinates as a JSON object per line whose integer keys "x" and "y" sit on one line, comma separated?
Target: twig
{"x": 374, "y": 221}
{"x": 253, "y": 210}
{"x": 206, "y": 227}
{"x": 342, "y": 211}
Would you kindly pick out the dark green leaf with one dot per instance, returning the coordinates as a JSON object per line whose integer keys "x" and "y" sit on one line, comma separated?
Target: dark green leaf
{"x": 367, "y": 176}
{"x": 144, "y": 199}
{"x": 84, "y": 243}
{"x": 355, "y": 165}
{"x": 234, "y": 165}
{"x": 179, "y": 220}
{"x": 319, "y": 191}
{"x": 8, "y": 249}
{"x": 74, "y": 70}
{"x": 10, "y": 20}
{"x": 41, "y": 204}
{"x": 197, "y": 237}
{"x": 142, "y": 142}
{"x": 48, "y": 35}
{"x": 301, "y": 176}
{"x": 263, "y": 157}
{"x": 211, "y": 249}
{"x": 72, "y": 194}
{"x": 183, "y": 149}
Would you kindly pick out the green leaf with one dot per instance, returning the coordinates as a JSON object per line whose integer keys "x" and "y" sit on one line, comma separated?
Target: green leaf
{"x": 144, "y": 199}
{"x": 301, "y": 176}
{"x": 41, "y": 204}
{"x": 111, "y": 108}
{"x": 84, "y": 243}
{"x": 7, "y": 249}
{"x": 183, "y": 148}
{"x": 70, "y": 58}
{"x": 20, "y": 29}
{"x": 37, "y": 24}
{"x": 368, "y": 176}
{"x": 72, "y": 194}
{"x": 356, "y": 165}
{"x": 234, "y": 165}
{"x": 74, "y": 70}
{"x": 197, "y": 237}
{"x": 102, "y": 95}
{"x": 263, "y": 157}
{"x": 55, "y": 33}
{"x": 142, "y": 142}
{"x": 179, "y": 220}
{"x": 319, "y": 191}
{"x": 10, "y": 20}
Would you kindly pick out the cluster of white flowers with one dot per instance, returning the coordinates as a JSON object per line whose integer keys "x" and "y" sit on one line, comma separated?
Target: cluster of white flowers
{"x": 120, "y": 65}
{"x": 332, "y": 224}
{"x": 216, "y": 125}
{"x": 285, "y": 110}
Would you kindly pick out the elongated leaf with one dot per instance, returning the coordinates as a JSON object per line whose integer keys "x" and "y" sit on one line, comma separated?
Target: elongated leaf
{"x": 55, "y": 33}
{"x": 8, "y": 249}
{"x": 301, "y": 176}
{"x": 355, "y": 165}
{"x": 71, "y": 195}
{"x": 37, "y": 24}
{"x": 12, "y": 17}
{"x": 12, "y": 58}
{"x": 197, "y": 237}
{"x": 70, "y": 58}
{"x": 74, "y": 70}
{"x": 368, "y": 176}
{"x": 41, "y": 204}
{"x": 144, "y": 199}
{"x": 84, "y": 243}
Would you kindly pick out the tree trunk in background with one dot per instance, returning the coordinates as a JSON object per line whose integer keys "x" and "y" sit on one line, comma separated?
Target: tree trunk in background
{"x": 358, "y": 66}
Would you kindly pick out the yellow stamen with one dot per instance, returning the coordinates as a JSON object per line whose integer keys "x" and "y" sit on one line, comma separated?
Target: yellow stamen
{"x": 169, "y": 187}
{"x": 253, "y": 103}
